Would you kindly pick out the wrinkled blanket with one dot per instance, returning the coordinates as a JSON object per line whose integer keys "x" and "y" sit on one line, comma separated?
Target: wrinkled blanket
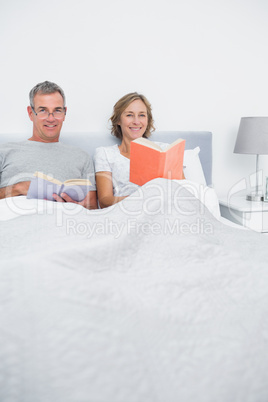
{"x": 150, "y": 300}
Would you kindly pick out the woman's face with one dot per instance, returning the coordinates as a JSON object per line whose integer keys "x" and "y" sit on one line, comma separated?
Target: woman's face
{"x": 134, "y": 120}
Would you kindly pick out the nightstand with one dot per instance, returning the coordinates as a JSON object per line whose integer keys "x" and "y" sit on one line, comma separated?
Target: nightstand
{"x": 253, "y": 215}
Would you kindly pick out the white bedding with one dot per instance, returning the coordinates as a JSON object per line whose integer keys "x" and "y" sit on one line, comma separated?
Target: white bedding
{"x": 153, "y": 299}
{"x": 14, "y": 207}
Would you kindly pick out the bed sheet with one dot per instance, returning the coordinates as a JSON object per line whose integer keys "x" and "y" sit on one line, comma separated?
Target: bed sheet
{"x": 153, "y": 299}
{"x": 14, "y": 207}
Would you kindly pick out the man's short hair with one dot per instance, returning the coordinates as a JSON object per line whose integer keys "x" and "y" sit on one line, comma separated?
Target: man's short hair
{"x": 43, "y": 88}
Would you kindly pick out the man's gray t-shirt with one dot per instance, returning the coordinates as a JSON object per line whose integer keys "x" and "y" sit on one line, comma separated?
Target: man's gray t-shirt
{"x": 20, "y": 160}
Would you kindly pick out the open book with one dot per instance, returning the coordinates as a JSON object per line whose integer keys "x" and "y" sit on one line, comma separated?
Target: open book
{"x": 43, "y": 187}
{"x": 148, "y": 161}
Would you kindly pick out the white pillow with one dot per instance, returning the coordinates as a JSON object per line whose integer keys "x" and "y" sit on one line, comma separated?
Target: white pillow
{"x": 192, "y": 167}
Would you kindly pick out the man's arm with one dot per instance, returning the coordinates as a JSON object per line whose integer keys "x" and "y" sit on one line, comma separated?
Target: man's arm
{"x": 20, "y": 188}
{"x": 89, "y": 202}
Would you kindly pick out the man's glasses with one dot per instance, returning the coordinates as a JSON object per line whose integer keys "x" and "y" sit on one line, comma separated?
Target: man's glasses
{"x": 44, "y": 114}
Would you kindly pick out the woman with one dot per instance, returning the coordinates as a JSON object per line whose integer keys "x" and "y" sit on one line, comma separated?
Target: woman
{"x": 132, "y": 118}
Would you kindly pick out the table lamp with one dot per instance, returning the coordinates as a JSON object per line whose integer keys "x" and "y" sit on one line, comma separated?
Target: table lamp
{"x": 252, "y": 138}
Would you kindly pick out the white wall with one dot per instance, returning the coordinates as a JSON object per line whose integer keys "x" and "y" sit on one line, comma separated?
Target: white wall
{"x": 202, "y": 64}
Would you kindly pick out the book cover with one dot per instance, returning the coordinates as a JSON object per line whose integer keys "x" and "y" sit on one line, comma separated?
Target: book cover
{"x": 148, "y": 161}
{"x": 43, "y": 187}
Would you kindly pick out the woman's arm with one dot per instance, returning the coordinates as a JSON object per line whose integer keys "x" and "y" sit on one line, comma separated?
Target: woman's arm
{"x": 105, "y": 193}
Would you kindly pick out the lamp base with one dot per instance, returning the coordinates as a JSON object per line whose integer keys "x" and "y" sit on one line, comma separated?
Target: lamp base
{"x": 255, "y": 197}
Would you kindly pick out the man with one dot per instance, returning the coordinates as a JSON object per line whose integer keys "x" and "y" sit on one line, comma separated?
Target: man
{"x": 43, "y": 151}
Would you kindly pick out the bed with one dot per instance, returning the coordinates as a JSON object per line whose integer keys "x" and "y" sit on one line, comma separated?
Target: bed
{"x": 153, "y": 299}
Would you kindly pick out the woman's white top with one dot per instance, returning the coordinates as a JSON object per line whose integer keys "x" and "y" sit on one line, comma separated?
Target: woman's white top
{"x": 109, "y": 159}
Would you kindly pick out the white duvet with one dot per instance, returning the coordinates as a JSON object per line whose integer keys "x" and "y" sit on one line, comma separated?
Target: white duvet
{"x": 151, "y": 300}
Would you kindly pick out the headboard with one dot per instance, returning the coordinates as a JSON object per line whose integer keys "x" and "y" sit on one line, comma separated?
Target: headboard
{"x": 90, "y": 141}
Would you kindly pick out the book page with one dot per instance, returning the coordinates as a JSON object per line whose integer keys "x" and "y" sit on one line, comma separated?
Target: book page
{"x": 148, "y": 143}
{"x": 43, "y": 176}
{"x": 77, "y": 182}
{"x": 174, "y": 143}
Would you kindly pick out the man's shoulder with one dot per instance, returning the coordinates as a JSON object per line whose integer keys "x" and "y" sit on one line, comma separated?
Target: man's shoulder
{"x": 12, "y": 144}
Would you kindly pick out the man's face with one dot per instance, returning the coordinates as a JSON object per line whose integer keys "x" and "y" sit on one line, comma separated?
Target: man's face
{"x": 46, "y": 129}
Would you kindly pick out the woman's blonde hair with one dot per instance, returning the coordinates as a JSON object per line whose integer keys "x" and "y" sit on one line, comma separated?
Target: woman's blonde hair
{"x": 121, "y": 105}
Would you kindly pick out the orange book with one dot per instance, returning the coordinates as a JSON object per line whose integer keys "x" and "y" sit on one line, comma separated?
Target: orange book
{"x": 148, "y": 161}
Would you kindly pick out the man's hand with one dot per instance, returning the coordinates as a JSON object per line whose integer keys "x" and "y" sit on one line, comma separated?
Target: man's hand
{"x": 14, "y": 190}
{"x": 89, "y": 202}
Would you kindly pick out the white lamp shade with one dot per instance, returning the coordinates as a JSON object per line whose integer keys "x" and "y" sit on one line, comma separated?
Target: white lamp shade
{"x": 252, "y": 137}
